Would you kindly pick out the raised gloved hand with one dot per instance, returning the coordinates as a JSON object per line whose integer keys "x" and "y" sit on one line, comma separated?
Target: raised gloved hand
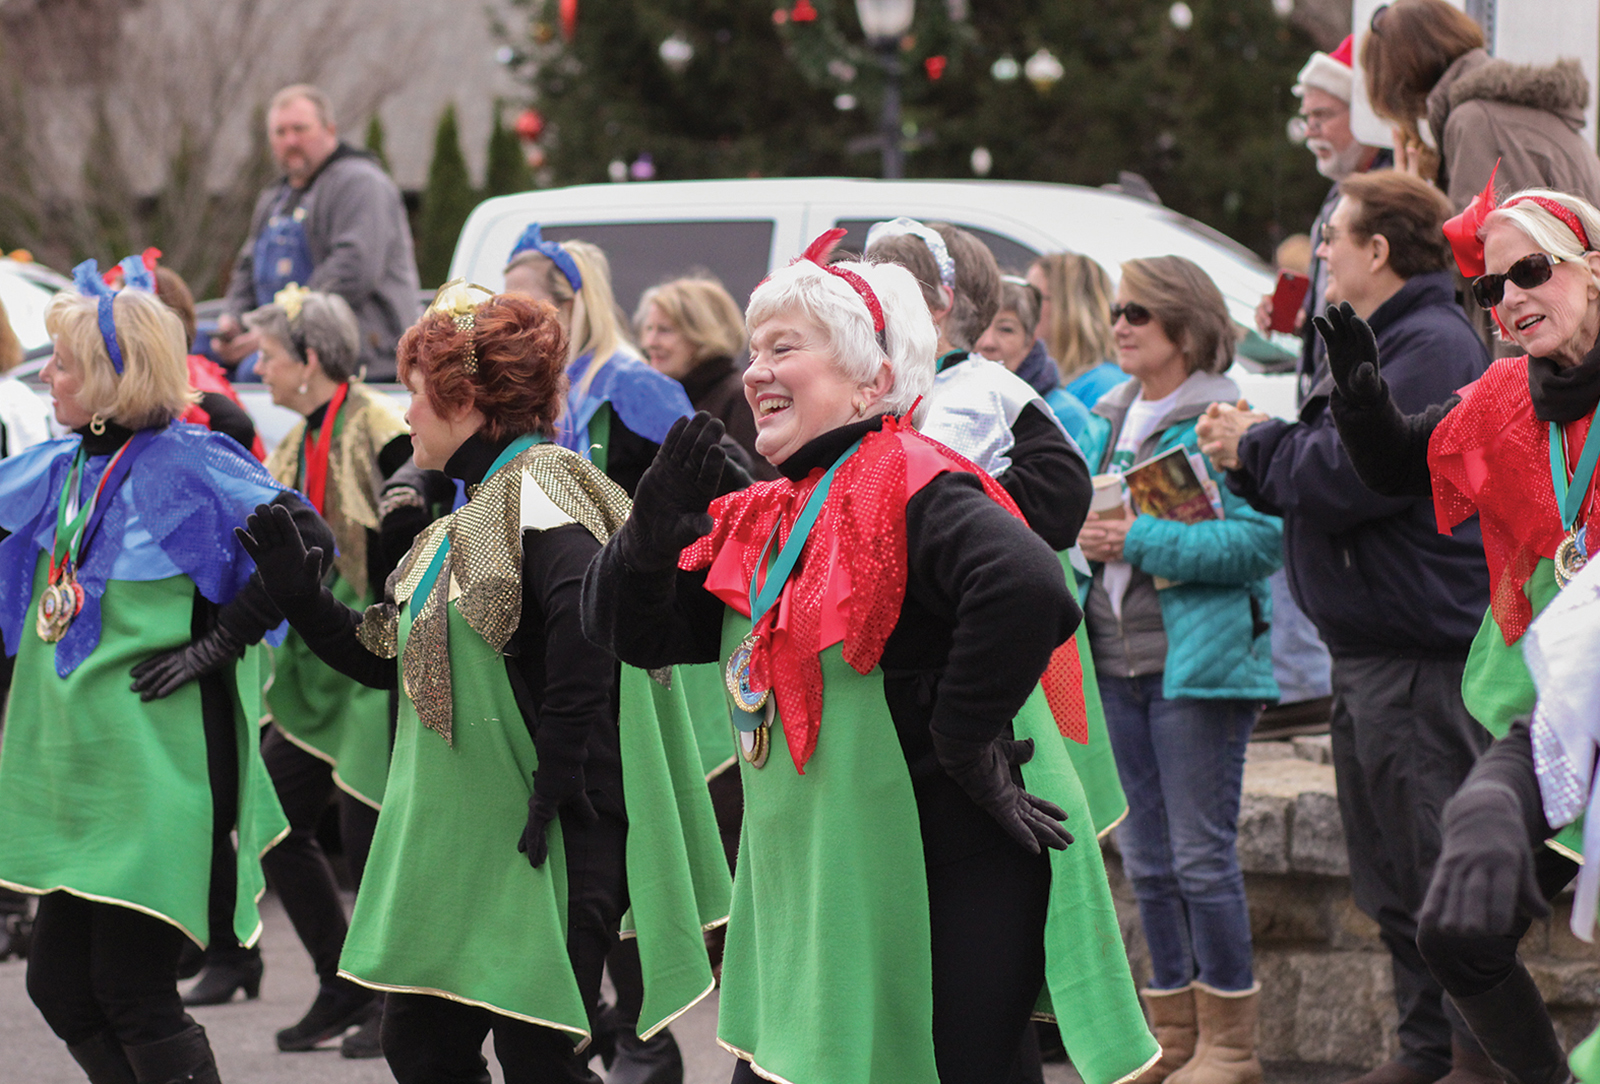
{"x": 162, "y": 675}
{"x": 669, "y": 507}
{"x": 291, "y": 573}
{"x": 1485, "y": 868}
{"x": 983, "y": 770}
{"x": 554, "y": 786}
{"x": 1352, "y": 354}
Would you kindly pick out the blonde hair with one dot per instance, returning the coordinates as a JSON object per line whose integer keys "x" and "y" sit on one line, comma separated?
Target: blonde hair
{"x": 1189, "y": 307}
{"x": 1079, "y": 336}
{"x": 10, "y": 345}
{"x": 840, "y": 313}
{"x": 154, "y": 385}
{"x": 596, "y": 327}
{"x": 702, "y": 311}
{"x": 1544, "y": 229}
{"x": 315, "y": 95}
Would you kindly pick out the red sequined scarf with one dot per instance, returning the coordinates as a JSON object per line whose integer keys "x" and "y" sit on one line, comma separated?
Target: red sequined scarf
{"x": 851, "y": 581}
{"x": 1491, "y": 456}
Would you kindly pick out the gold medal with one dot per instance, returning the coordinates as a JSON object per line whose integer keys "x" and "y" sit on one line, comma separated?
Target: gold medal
{"x": 753, "y": 709}
{"x": 1569, "y": 560}
{"x": 755, "y": 744}
{"x": 59, "y": 604}
{"x": 737, "y": 678}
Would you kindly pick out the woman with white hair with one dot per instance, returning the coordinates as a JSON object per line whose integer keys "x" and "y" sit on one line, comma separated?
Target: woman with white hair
{"x": 883, "y": 617}
{"x": 119, "y": 556}
{"x": 1517, "y": 448}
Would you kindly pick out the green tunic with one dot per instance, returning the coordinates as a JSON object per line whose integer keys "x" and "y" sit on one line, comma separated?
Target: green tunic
{"x": 449, "y": 907}
{"x": 107, "y": 796}
{"x": 330, "y": 716}
{"x": 1497, "y": 688}
{"x": 827, "y": 975}
{"x": 1094, "y": 763}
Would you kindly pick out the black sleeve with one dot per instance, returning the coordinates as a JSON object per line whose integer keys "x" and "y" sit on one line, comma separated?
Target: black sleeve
{"x": 650, "y": 619}
{"x": 394, "y": 455}
{"x": 1389, "y": 449}
{"x": 1509, "y": 763}
{"x": 228, "y": 417}
{"x": 628, "y": 455}
{"x": 564, "y": 684}
{"x": 412, "y": 498}
{"x": 390, "y": 542}
{"x": 251, "y": 614}
{"x": 971, "y": 559}
{"x": 1049, "y": 482}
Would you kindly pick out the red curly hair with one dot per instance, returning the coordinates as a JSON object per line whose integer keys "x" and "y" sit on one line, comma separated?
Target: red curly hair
{"x": 521, "y": 380}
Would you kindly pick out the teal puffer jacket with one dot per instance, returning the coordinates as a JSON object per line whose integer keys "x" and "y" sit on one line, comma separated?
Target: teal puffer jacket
{"x": 1218, "y": 614}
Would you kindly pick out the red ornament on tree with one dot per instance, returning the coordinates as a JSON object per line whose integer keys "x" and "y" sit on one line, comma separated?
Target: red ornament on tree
{"x": 569, "y": 18}
{"x": 804, "y": 12}
{"x": 530, "y": 125}
{"x": 934, "y": 66}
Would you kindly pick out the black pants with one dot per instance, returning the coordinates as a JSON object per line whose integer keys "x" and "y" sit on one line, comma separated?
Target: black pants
{"x": 431, "y": 1040}
{"x": 986, "y": 916}
{"x": 1402, "y": 744}
{"x": 98, "y": 967}
{"x": 297, "y": 867}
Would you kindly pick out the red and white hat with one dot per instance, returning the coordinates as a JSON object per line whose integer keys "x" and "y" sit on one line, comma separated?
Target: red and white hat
{"x": 1328, "y": 72}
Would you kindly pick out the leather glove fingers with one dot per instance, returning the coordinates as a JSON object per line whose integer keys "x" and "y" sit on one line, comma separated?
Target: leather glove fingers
{"x": 162, "y": 675}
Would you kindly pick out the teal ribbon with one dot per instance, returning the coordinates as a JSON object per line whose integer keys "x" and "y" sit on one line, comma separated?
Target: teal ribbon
{"x": 761, "y": 601}
{"x": 514, "y": 449}
{"x": 1569, "y": 498}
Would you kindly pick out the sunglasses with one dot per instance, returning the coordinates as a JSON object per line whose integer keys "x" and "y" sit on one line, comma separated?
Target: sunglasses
{"x": 1137, "y": 315}
{"x": 1526, "y": 273}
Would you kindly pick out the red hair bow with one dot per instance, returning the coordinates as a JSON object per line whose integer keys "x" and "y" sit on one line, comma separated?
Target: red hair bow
{"x": 818, "y": 252}
{"x": 1463, "y": 230}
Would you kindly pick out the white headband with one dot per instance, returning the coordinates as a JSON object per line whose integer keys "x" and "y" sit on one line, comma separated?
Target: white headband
{"x": 930, "y": 237}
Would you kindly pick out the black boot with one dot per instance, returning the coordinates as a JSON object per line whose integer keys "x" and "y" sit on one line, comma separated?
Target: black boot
{"x": 102, "y": 1060}
{"x": 183, "y": 1059}
{"x": 227, "y": 971}
{"x": 365, "y": 1041}
{"x": 338, "y": 1007}
{"x": 1513, "y": 1025}
{"x": 641, "y": 1061}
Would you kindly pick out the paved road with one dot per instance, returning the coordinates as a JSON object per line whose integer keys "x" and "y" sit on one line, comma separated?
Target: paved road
{"x": 241, "y": 1033}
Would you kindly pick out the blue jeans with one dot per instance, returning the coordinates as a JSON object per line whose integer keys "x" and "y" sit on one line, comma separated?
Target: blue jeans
{"x": 1181, "y": 763}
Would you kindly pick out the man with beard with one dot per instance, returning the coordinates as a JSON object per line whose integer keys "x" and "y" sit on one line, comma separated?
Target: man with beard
{"x": 1323, "y": 88}
{"x": 333, "y": 222}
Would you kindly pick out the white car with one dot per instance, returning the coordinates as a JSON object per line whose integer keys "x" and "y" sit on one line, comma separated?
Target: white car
{"x": 739, "y": 230}
{"x": 25, "y": 290}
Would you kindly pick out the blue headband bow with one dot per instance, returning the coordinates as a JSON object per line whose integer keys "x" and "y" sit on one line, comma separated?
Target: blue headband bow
{"x": 532, "y": 241}
{"x": 135, "y": 276}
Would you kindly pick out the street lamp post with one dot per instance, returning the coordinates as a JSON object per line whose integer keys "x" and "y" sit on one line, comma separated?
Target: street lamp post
{"x": 885, "y": 22}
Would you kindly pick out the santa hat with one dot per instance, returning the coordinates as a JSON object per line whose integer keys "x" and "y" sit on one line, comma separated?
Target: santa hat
{"x": 1328, "y": 72}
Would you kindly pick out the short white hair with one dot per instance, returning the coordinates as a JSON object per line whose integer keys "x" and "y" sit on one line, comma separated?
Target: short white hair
{"x": 833, "y": 305}
{"x": 1543, "y": 228}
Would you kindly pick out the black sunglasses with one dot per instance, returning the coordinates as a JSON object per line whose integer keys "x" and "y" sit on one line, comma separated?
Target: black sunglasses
{"x": 1136, "y": 314}
{"x": 1527, "y": 273}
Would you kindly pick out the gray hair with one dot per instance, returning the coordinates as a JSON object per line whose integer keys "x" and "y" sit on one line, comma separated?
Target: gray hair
{"x": 1543, "y": 228}
{"x": 833, "y": 306}
{"x": 324, "y": 324}
{"x": 315, "y": 95}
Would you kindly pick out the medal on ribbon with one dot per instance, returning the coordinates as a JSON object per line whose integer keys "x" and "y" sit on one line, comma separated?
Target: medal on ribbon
{"x": 754, "y": 709}
{"x": 1572, "y": 554}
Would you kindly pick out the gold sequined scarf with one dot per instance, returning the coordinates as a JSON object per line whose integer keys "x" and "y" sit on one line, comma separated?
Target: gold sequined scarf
{"x": 481, "y": 574}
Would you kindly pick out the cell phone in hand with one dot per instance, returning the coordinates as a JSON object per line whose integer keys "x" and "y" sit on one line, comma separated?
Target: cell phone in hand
{"x": 1287, "y": 299}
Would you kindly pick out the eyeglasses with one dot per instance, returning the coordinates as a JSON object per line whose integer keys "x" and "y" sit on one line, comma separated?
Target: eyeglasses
{"x": 1376, "y": 25}
{"x": 1318, "y": 119}
{"x": 1527, "y": 273}
{"x": 1330, "y": 233}
{"x": 1136, "y": 314}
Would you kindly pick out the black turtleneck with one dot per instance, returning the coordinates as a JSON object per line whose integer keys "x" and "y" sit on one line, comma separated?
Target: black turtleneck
{"x": 1564, "y": 394}
{"x": 985, "y": 605}
{"x": 564, "y": 685}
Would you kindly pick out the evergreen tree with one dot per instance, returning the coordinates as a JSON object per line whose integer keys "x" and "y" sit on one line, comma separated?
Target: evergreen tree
{"x": 1199, "y": 112}
{"x": 446, "y": 202}
{"x": 375, "y": 141}
{"x": 507, "y": 170}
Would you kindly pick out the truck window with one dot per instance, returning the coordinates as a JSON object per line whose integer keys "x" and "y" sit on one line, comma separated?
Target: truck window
{"x": 644, "y": 254}
{"x": 1012, "y": 256}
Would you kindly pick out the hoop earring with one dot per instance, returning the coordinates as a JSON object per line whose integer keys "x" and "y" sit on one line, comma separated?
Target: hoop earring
{"x": 97, "y": 425}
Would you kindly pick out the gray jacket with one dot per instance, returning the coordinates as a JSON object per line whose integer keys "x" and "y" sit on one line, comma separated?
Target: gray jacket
{"x": 1137, "y": 642}
{"x": 360, "y": 242}
{"x": 1525, "y": 116}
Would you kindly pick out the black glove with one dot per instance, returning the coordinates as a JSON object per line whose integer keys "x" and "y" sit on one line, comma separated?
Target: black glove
{"x": 1352, "y": 354}
{"x": 983, "y": 770}
{"x": 554, "y": 786}
{"x": 162, "y": 675}
{"x": 291, "y": 573}
{"x": 1485, "y": 869}
{"x": 669, "y": 507}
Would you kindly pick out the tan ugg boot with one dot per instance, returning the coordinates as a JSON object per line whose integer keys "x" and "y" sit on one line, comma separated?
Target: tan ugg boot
{"x": 1226, "y": 1050}
{"x": 1172, "y": 1020}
